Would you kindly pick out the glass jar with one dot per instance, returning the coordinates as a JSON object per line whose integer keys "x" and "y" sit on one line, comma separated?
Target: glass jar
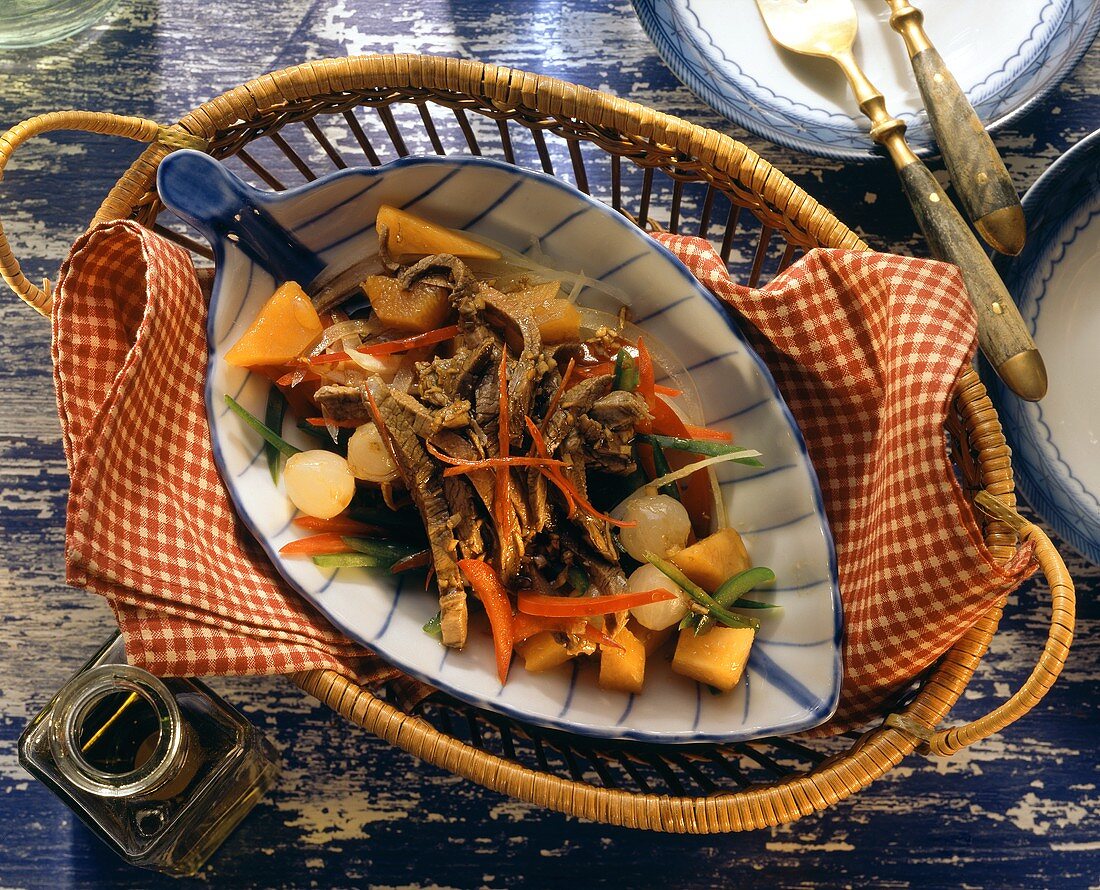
{"x": 162, "y": 770}
{"x": 25, "y": 23}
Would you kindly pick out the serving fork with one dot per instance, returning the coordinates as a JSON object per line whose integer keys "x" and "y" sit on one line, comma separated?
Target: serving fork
{"x": 827, "y": 29}
{"x": 977, "y": 171}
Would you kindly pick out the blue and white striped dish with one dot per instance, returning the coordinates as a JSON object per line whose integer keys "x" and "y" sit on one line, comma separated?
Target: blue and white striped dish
{"x": 793, "y": 677}
{"x": 1005, "y": 56}
{"x": 1056, "y": 442}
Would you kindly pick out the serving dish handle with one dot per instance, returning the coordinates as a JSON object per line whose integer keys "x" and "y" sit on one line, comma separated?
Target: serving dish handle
{"x": 171, "y": 137}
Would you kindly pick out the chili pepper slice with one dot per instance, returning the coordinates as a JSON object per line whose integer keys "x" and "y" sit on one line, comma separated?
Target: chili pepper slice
{"x": 316, "y": 545}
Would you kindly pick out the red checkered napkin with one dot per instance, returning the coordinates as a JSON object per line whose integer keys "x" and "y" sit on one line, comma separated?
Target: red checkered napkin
{"x": 865, "y": 347}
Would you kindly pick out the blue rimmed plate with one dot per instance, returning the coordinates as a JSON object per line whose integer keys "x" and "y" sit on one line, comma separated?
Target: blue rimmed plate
{"x": 793, "y": 676}
{"x": 1003, "y": 62}
{"x": 1056, "y": 442}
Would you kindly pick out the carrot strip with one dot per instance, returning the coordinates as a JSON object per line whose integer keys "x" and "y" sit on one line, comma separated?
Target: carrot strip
{"x": 597, "y": 370}
{"x": 667, "y": 390}
{"x": 492, "y": 463}
{"x": 342, "y": 424}
{"x": 645, "y": 374}
{"x": 328, "y": 358}
{"x": 525, "y": 626}
{"x": 562, "y": 387}
{"x": 339, "y": 525}
{"x": 703, "y": 432}
{"x": 439, "y": 335}
{"x": 316, "y": 545}
{"x": 416, "y": 561}
{"x": 578, "y": 606}
{"x": 494, "y": 598}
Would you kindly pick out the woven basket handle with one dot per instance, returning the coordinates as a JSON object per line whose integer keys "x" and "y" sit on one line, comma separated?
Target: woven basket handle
{"x": 135, "y": 128}
{"x": 946, "y": 742}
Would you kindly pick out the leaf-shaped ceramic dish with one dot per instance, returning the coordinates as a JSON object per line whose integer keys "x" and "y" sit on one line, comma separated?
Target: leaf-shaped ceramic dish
{"x": 793, "y": 676}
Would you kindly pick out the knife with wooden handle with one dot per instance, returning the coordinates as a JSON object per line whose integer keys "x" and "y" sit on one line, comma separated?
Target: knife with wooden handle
{"x": 977, "y": 171}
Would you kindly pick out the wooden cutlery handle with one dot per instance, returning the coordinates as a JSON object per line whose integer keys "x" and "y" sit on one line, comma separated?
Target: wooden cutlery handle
{"x": 977, "y": 171}
{"x": 1002, "y": 334}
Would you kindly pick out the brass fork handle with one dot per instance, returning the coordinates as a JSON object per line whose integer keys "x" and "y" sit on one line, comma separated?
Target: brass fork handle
{"x": 977, "y": 171}
{"x": 1002, "y": 334}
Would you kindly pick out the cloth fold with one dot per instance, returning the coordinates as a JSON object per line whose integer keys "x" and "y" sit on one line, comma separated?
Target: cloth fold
{"x": 865, "y": 347}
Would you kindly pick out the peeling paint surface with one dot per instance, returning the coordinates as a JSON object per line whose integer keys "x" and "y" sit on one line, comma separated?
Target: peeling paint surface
{"x": 1018, "y": 810}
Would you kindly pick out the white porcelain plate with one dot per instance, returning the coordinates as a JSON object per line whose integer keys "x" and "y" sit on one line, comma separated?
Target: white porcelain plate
{"x": 1056, "y": 442}
{"x": 1005, "y": 56}
{"x": 793, "y": 676}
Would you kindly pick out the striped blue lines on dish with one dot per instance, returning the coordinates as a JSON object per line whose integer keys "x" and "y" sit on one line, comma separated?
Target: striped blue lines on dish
{"x": 654, "y": 314}
{"x": 554, "y": 229}
{"x": 742, "y": 411}
{"x": 806, "y": 586}
{"x": 771, "y": 528}
{"x": 698, "y": 706}
{"x": 626, "y": 711}
{"x": 760, "y": 475}
{"x": 748, "y": 692}
{"x": 328, "y": 581}
{"x": 713, "y": 359}
{"x": 505, "y": 195}
{"x": 286, "y": 525}
{"x": 240, "y": 305}
{"x": 766, "y": 642}
{"x": 446, "y": 654}
{"x": 225, "y": 409}
{"x": 772, "y": 673}
{"x": 619, "y": 267}
{"x": 393, "y": 606}
{"x": 305, "y": 224}
{"x": 572, "y": 688}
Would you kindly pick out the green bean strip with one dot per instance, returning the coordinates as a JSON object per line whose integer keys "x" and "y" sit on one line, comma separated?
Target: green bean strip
{"x": 626, "y": 371}
{"x": 578, "y": 580}
{"x": 268, "y": 435}
{"x": 755, "y": 604}
{"x": 381, "y": 549}
{"x": 700, "y": 596}
{"x": 273, "y": 419}
{"x": 661, "y": 468}
{"x": 698, "y": 446}
{"x": 433, "y": 627}
{"x": 351, "y": 560}
{"x": 733, "y": 588}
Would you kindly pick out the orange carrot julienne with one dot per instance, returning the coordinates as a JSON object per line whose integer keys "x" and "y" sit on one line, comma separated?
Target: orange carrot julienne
{"x": 339, "y": 525}
{"x": 493, "y": 463}
{"x": 494, "y": 598}
{"x": 317, "y": 545}
{"x": 579, "y": 606}
{"x": 504, "y": 475}
{"x": 645, "y": 374}
{"x": 341, "y": 424}
{"x": 703, "y": 432}
{"x": 667, "y": 390}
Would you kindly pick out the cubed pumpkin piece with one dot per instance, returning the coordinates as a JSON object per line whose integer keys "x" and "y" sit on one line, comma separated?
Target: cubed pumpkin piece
{"x": 542, "y": 652}
{"x": 711, "y": 561}
{"x": 652, "y": 640}
{"x": 557, "y": 318}
{"x": 623, "y": 670}
{"x": 421, "y": 308}
{"x": 717, "y": 658}
{"x": 285, "y": 327}
{"x": 408, "y": 234}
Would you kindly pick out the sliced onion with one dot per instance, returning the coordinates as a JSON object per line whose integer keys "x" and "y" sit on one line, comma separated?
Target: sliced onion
{"x": 356, "y": 327}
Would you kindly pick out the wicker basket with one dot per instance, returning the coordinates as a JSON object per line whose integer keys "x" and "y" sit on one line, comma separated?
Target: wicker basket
{"x": 661, "y": 172}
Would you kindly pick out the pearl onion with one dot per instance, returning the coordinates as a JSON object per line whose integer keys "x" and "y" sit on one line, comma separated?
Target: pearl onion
{"x": 319, "y": 483}
{"x": 663, "y": 526}
{"x": 368, "y": 456}
{"x": 656, "y": 616}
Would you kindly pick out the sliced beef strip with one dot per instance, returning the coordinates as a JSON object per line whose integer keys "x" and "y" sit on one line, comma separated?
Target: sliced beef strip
{"x": 424, "y": 480}
{"x": 344, "y": 403}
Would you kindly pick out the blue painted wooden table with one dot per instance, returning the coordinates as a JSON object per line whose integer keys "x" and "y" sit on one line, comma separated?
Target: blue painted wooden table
{"x": 1019, "y": 810}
